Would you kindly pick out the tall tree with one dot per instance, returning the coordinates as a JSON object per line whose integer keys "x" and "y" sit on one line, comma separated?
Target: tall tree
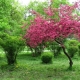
{"x": 11, "y": 16}
{"x": 16, "y": 18}
{"x": 5, "y": 8}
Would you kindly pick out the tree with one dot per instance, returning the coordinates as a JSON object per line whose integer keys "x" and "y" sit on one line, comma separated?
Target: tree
{"x": 16, "y": 18}
{"x": 5, "y": 14}
{"x": 43, "y": 29}
{"x": 39, "y": 7}
{"x": 11, "y": 18}
{"x": 11, "y": 45}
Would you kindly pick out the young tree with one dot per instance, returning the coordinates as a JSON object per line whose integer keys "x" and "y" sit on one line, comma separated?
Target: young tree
{"x": 45, "y": 29}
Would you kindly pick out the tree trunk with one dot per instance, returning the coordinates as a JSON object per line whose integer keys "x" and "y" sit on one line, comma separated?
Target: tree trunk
{"x": 36, "y": 51}
{"x": 11, "y": 58}
{"x": 70, "y": 60}
{"x": 63, "y": 47}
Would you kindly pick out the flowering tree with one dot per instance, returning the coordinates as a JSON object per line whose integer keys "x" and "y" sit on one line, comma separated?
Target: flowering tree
{"x": 44, "y": 29}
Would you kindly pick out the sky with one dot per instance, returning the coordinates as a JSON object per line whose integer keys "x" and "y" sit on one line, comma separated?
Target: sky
{"x": 26, "y": 2}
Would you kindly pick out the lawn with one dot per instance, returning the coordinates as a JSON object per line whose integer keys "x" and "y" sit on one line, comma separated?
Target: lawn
{"x": 31, "y": 68}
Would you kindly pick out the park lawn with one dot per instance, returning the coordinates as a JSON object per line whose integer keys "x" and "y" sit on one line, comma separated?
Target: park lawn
{"x": 31, "y": 68}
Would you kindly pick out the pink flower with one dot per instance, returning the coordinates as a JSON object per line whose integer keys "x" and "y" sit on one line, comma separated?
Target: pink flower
{"x": 47, "y": 29}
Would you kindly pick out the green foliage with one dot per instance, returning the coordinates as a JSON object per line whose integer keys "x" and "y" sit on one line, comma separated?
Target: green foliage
{"x": 79, "y": 45}
{"x": 37, "y": 6}
{"x": 54, "y": 47}
{"x": 11, "y": 17}
{"x": 4, "y": 26}
{"x": 16, "y": 18}
{"x": 79, "y": 49}
{"x": 56, "y": 3}
{"x": 72, "y": 50}
{"x": 11, "y": 46}
{"x": 72, "y": 47}
{"x": 5, "y": 8}
{"x": 46, "y": 57}
{"x": 72, "y": 42}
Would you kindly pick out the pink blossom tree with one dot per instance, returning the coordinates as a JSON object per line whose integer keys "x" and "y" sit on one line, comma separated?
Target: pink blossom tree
{"x": 44, "y": 29}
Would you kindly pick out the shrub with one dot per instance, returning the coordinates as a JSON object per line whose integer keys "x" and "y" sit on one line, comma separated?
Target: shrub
{"x": 46, "y": 57}
{"x": 11, "y": 46}
{"x": 72, "y": 50}
{"x": 73, "y": 43}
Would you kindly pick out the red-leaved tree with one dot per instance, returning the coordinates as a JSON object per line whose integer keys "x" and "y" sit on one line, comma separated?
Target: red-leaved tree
{"x": 44, "y": 29}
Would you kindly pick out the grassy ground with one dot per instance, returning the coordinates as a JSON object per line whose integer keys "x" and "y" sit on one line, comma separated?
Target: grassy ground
{"x": 31, "y": 68}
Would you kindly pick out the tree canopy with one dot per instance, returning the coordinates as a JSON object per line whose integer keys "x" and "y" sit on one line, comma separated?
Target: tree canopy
{"x": 45, "y": 29}
{"x": 11, "y": 16}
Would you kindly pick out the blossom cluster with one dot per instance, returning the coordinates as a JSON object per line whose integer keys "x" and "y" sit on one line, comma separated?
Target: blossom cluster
{"x": 46, "y": 29}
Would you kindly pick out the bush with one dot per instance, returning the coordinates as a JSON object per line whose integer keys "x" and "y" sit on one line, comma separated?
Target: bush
{"x": 11, "y": 46}
{"x": 73, "y": 43}
{"x": 46, "y": 57}
{"x": 72, "y": 50}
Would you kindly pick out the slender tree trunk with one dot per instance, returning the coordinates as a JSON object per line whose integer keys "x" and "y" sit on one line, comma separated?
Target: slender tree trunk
{"x": 64, "y": 50}
{"x": 32, "y": 51}
{"x": 70, "y": 60}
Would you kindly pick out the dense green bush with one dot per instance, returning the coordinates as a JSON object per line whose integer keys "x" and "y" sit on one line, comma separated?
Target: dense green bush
{"x": 73, "y": 42}
{"x": 11, "y": 46}
{"x": 46, "y": 57}
{"x": 72, "y": 50}
{"x": 72, "y": 47}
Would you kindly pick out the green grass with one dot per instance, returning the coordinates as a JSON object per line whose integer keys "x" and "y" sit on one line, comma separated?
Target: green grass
{"x": 31, "y": 68}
